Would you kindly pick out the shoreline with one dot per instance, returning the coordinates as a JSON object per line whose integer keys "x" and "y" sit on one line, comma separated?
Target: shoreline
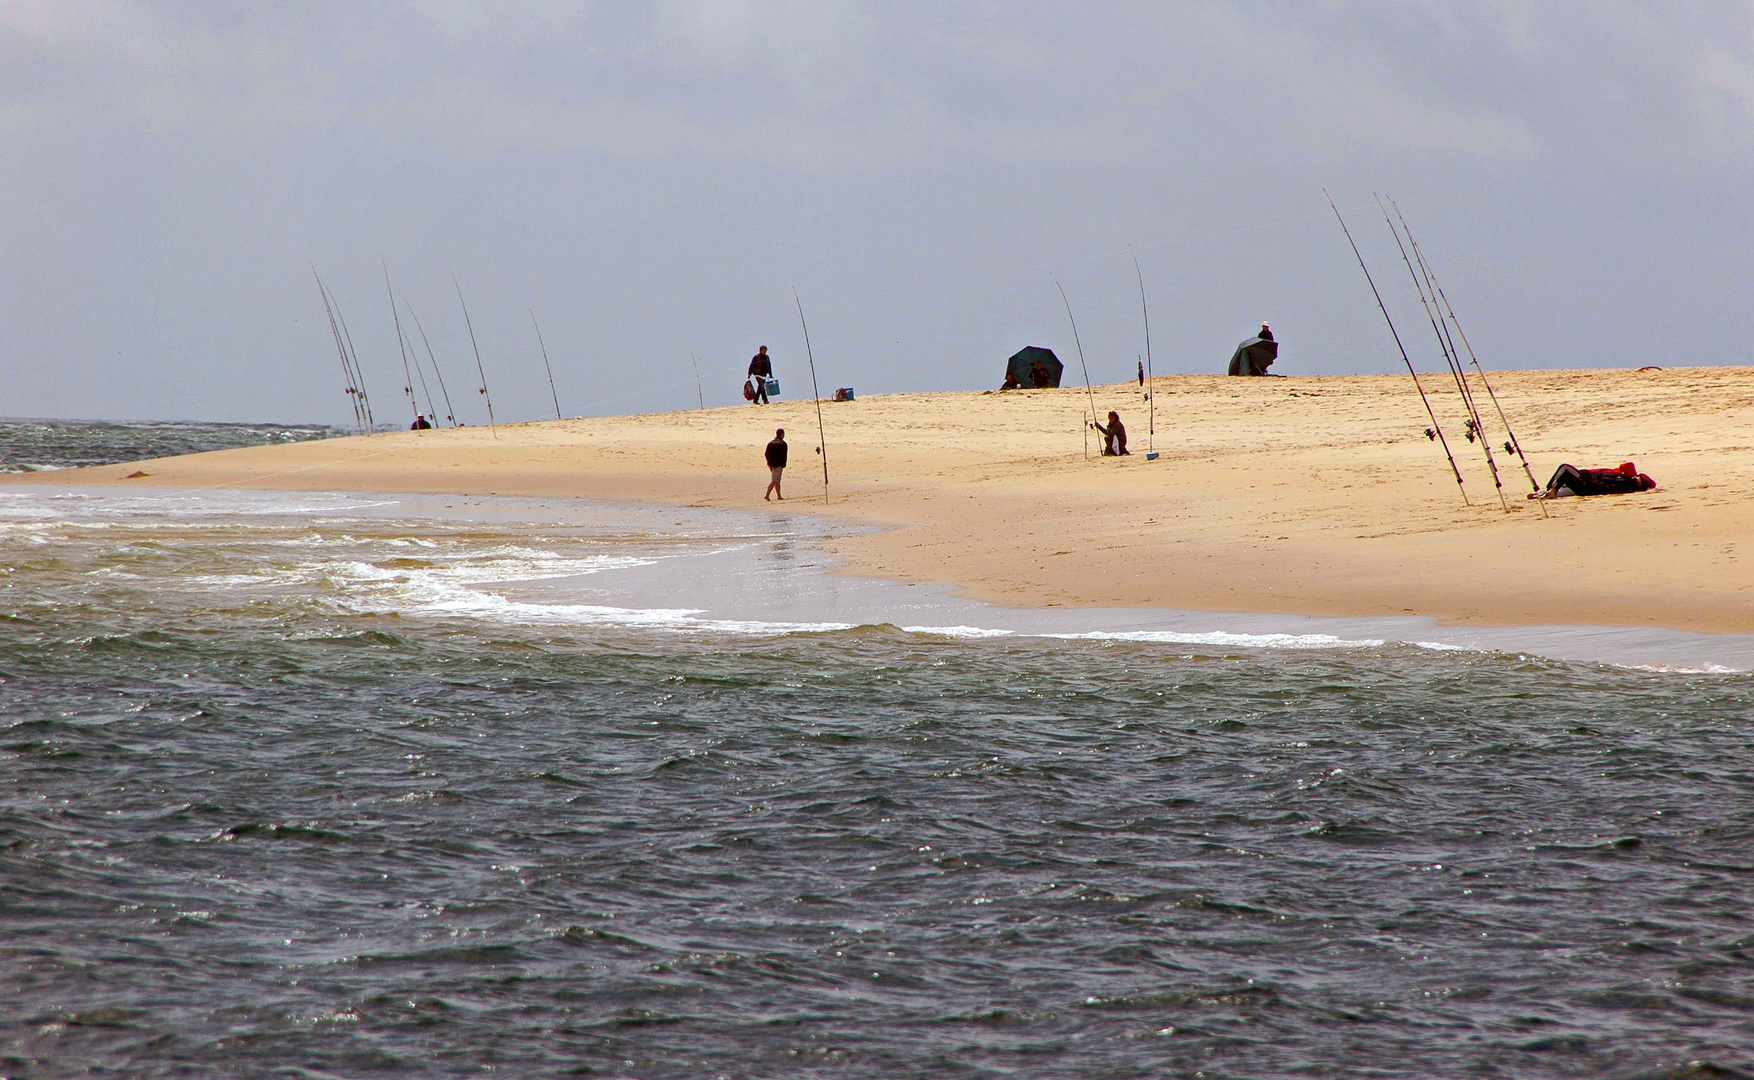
{"x": 641, "y": 567}
{"x": 1294, "y": 496}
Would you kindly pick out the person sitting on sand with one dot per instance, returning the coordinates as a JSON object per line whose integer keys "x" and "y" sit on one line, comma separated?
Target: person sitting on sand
{"x": 1114, "y": 436}
{"x": 421, "y": 423}
{"x": 776, "y": 464}
{"x": 1010, "y": 382}
{"x": 760, "y": 370}
{"x": 1570, "y": 480}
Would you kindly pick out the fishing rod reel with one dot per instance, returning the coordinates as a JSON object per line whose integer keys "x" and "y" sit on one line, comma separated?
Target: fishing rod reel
{"x": 1430, "y": 435}
{"x": 1473, "y": 429}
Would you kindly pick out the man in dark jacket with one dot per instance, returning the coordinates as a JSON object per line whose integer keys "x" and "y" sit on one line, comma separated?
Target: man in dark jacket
{"x": 776, "y": 464}
{"x": 760, "y": 370}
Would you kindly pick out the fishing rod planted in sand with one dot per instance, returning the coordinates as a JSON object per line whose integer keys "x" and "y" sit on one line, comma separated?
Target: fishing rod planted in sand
{"x": 1513, "y": 445}
{"x": 482, "y": 371}
{"x": 346, "y": 368}
{"x": 1086, "y": 367}
{"x": 402, "y": 344}
{"x": 1436, "y": 431}
{"x": 821, "y": 437}
{"x": 1151, "y": 384}
{"x": 1446, "y": 346}
{"x": 546, "y": 365}
{"x": 365, "y": 400}
{"x": 450, "y": 413}
{"x": 700, "y": 395}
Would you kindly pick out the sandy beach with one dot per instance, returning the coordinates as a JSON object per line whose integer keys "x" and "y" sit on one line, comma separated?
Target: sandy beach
{"x": 1308, "y": 495}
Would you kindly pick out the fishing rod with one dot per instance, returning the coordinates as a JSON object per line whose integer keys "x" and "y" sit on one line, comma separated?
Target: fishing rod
{"x": 1514, "y": 445}
{"x": 1455, "y": 367}
{"x": 482, "y": 390}
{"x": 698, "y": 392}
{"x": 346, "y": 369}
{"x": 545, "y": 365}
{"x": 1511, "y": 445}
{"x": 358, "y": 372}
{"x": 1151, "y": 392}
{"x": 1087, "y": 390}
{"x": 402, "y": 344}
{"x": 821, "y": 436}
{"x": 450, "y": 414}
{"x": 1436, "y": 430}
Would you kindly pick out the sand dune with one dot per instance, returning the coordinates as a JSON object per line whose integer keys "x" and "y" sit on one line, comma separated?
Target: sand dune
{"x": 1316, "y": 495}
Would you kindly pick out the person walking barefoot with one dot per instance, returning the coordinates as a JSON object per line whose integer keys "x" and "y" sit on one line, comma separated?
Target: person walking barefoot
{"x": 776, "y": 464}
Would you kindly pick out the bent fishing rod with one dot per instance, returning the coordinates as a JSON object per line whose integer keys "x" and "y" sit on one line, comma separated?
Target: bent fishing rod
{"x": 1087, "y": 390}
{"x": 402, "y": 344}
{"x": 1151, "y": 392}
{"x": 1436, "y": 429}
{"x": 365, "y": 400}
{"x": 482, "y": 389}
{"x": 1513, "y": 445}
{"x": 346, "y": 369}
{"x": 1444, "y": 345}
{"x": 450, "y": 413}
{"x": 546, "y": 365}
{"x": 821, "y": 436}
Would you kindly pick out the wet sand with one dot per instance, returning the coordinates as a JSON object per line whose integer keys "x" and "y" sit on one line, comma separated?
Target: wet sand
{"x": 1307, "y": 495}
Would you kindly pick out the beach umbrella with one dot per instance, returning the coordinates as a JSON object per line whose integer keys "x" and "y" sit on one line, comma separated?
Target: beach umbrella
{"x": 1021, "y": 367}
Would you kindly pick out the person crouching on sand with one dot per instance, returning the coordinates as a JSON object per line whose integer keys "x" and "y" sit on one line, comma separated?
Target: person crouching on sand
{"x": 776, "y": 464}
{"x": 1114, "y": 437}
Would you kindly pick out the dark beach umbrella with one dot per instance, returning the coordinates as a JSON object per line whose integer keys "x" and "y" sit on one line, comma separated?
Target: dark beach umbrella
{"x": 1021, "y": 367}
{"x": 1254, "y": 356}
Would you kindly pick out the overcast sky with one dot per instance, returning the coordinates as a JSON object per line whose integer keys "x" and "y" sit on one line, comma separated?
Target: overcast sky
{"x": 653, "y": 179}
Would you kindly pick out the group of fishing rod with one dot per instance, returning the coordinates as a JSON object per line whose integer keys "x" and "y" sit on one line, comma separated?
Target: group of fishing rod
{"x": 412, "y": 371}
{"x": 1442, "y": 318}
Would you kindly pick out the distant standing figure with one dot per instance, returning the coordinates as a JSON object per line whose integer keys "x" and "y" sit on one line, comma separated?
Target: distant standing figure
{"x": 1141, "y": 374}
{"x": 760, "y": 370}
{"x": 1114, "y": 437}
{"x": 1266, "y": 333}
{"x": 421, "y": 423}
{"x": 776, "y": 464}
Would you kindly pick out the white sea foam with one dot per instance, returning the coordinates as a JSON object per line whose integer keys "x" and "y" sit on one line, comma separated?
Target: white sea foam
{"x": 959, "y": 631}
{"x": 1225, "y": 638}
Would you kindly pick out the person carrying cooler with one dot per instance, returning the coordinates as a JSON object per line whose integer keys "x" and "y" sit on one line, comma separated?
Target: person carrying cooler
{"x": 760, "y": 370}
{"x": 776, "y": 464}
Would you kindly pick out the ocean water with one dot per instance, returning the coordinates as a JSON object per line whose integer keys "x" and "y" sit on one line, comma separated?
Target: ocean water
{"x": 42, "y": 445}
{"x": 339, "y": 785}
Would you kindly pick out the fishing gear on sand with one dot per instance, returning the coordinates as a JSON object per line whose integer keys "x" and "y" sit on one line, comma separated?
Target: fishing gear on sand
{"x": 480, "y": 370}
{"x": 545, "y": 365}
{"x": 1435, "y": 430}
{"x": 1473, "y": 430}
{"x": 1151, "y": 377}
{"x": 821, "y": 437}
{"x": 1512, "y": 445}
{"x": 1091, "y": 394}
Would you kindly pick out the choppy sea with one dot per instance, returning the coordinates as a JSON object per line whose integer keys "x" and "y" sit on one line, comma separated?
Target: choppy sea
{"x": 320, "y": 785}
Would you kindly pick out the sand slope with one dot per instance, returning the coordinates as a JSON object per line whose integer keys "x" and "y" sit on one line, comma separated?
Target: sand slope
{"x": 1316, "y": 495}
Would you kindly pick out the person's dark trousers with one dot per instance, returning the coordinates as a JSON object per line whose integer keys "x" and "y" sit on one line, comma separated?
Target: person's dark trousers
{"x": 760, "y": 391}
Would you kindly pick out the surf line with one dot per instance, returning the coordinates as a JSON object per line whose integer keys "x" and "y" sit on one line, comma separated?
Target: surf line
{"x": 1473, "y": 426}
{"x": 482, "y": 389}
{"x": 821, "y": 437}
{"x": 1436, "y": 431}
{"x": 1091, "y": 394}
